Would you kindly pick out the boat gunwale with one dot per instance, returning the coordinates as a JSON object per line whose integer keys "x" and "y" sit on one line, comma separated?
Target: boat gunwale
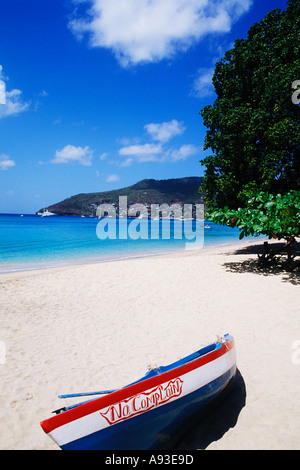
{"x": 136, "y": 388}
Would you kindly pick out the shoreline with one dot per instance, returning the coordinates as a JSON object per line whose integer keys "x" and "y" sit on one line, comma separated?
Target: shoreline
{"x": 11, "y": 268}
{"x": 99, "y": 326}
{"x": 19, "y": 258}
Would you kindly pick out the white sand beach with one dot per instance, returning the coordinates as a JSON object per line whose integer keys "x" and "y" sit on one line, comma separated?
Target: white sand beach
{"x": 98, "y": 326}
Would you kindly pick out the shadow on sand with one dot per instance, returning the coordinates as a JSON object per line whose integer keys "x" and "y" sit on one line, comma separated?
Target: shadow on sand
{"x": 220, "y": 418}
{"x": 252, "y": 266}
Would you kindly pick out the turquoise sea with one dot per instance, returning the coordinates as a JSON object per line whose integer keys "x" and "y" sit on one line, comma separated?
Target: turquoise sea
{"x": 31, "y": 241}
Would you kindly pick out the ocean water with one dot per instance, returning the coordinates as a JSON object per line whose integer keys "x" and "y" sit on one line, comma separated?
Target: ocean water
{"x": 31, "y": 241}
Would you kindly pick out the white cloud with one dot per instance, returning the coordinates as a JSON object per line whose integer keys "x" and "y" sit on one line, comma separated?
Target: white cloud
{"x": 158, "y": 152}
{"x": 2, "y": 92}
{"x": 183, "y": 152}
{"x": 161, "y": 133}
{"x": 13, "y": 104}
{"x": 2, "y": 76}
{"x": 104, "y": 155}
{"x": 151, "y": 153}
{"x": 71, "y": 154}
{"x": 128, "y": 162}
{"x": 10, "y": 101}
{"x": 151, "y": 30}
{"x": 6, "y": 162}
{"x": 112, "y": 178}
{"x": 142, "y": 153}
{"x": 203, "y": 85}
{"x": 165, "y": 131}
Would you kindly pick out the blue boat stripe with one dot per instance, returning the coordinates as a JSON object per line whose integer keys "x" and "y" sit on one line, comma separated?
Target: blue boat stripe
{"x": 159, "y": 422}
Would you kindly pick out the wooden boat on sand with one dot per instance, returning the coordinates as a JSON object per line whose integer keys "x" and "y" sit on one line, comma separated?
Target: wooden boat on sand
{"x": 148, "y": 413}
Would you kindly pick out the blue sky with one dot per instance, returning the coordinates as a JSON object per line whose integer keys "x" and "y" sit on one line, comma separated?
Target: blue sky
{"x": 99, "y": 94}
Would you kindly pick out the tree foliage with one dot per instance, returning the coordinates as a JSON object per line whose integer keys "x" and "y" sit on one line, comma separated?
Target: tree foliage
{"x": 265, "y": 214}
{"x": 276, "y": 217}
{"x": 253, "y": 125}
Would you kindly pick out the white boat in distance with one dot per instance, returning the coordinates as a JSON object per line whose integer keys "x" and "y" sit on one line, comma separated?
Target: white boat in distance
{"x": 45, "y": 213}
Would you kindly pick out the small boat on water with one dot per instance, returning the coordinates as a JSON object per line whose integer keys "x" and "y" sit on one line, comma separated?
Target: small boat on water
{"x": 46, "y": 213}
{"x": 149, "y": 413}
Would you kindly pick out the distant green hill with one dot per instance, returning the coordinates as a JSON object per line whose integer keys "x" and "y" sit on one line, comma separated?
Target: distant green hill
{"x": 148, "y": 191}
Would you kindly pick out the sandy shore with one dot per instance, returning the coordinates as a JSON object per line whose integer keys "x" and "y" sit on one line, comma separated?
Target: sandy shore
{"x": 94, "y": 327}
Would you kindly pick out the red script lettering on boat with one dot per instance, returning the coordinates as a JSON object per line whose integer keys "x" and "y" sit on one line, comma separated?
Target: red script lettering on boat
{"x": 143, "y": 402}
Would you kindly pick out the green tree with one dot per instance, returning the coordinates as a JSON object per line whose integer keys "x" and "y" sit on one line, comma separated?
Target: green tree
{"x": 253, "y": 125}
{"x": 276, "y": 217}
{"x": 265, "y": 214}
